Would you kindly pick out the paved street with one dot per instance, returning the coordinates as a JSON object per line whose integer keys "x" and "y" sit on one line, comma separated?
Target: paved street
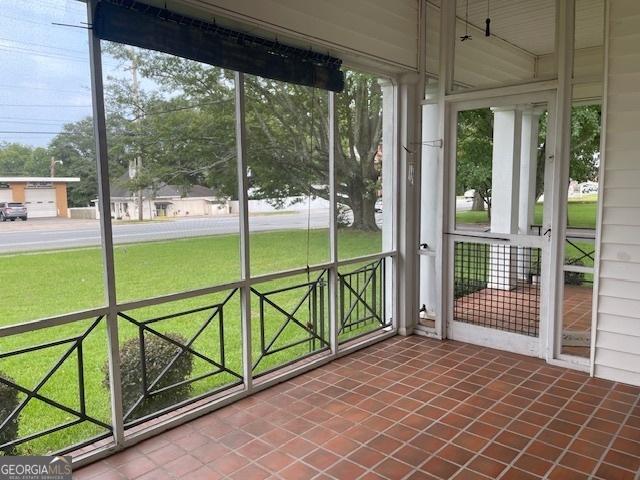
{"x": 49, "y": 234}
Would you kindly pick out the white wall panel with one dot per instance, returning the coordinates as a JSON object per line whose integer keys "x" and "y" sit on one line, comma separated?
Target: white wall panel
{"x": 377, "y": 29}
{"x": 617, "y": 351}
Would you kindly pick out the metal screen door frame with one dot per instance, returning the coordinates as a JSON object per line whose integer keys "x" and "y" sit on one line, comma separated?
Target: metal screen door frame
{"x": 515, "y": 244}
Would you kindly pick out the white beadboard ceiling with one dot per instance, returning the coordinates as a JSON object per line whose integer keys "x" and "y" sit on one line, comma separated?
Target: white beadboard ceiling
{"x": 530, "y": 25}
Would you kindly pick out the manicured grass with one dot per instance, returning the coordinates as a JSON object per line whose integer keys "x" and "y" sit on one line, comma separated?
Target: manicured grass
{"x": 582, "y": 214}
{"x": 49, "y": 283}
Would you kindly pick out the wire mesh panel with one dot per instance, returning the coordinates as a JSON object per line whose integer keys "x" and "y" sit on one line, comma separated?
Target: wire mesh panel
{"x": 497, "y": 286}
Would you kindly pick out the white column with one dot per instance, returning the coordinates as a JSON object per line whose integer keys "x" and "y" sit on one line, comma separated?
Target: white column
{"x": 410, "y": 91}
{"x": 429, "y": 191}
{"x": 528, "y": 169}
{"x": 505, "y": 193}
{"x": 528, "y": 179}
{"x": 388, "y": 188}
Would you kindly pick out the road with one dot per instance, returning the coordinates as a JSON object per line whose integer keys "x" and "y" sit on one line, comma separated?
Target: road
{"x": 51, "y": 234}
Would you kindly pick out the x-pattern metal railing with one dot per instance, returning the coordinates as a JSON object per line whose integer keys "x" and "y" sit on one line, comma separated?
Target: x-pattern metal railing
{"x": 362, "y": 297}
{"x": 583, "y": 254}
{"x": 75, "y": 346}
{"x": 312, "y": 330}
{"x": 150, "y": 387}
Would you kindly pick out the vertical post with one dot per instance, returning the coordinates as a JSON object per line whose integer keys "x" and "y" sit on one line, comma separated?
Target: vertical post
{"x": 106, "y": 233}
{"x": 429, "y": 190}
{"x": 505, "y": 190}
{"x": 243, "y": 208}
{"x": 556, "y": 182}
{"x": 444, "y": 212}
{"x": 333, "y": 229}
{"x": 408, "y": 287}
{"x": 528, "y": 184}
{"x": 389, "y": 192}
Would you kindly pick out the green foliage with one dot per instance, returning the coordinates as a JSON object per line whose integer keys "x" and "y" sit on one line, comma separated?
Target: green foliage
{"x": 158, "y": 353}
{"x": 474, "y": 152}
{"x": 17, "y": 159}
{"x": 8, "y": 403}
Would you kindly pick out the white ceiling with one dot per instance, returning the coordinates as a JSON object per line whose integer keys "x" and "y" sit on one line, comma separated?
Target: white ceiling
{"x": 530, "y": 24}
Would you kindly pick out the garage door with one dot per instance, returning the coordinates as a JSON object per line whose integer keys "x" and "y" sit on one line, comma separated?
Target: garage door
{"x": 5, "y": 195}
{"x": 41, "y": 202}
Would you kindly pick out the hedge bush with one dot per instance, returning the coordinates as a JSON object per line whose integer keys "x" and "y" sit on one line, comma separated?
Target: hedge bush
{"x": 158, "y": 354}
{"x": 8, "y": 402}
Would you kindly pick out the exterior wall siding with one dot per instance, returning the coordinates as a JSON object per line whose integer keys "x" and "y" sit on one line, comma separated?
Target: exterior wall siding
{"x": 617, "y": 343}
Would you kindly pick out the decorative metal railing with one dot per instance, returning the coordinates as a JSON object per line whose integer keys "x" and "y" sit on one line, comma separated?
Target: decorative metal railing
{"x": 158, "y": 381}
{"x": 285, "y": 332}
{"x": 9, "y": 424}
{"x": 163, "y": 355}
{"x": 361, "y": 300}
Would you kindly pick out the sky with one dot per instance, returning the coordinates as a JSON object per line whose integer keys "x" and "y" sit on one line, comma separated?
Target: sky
{"x": 44, "y": 69}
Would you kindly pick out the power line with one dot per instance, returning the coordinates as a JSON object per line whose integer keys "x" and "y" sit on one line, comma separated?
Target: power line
{"x": 48, "y": 89}
{"x": 43, "y": 105}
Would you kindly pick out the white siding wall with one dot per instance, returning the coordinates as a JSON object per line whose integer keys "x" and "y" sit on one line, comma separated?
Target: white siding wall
{"x": 617, "y": 352}
{"x": 377, "y": 29}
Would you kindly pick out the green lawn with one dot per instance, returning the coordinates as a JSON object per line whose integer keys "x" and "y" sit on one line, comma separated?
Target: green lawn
{"x": 582, "y": 214}
{"x": 49, "y": 283}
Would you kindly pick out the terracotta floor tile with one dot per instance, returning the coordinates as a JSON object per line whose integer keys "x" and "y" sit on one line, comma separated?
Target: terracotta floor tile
{"x": 384, "y": 443}
{"x": 251, "y": 472}
{"x": 183, "y": 465}
{"x": 275, "y": 461}
{"x": 611, "y": 472}
{"x": 440, "y": 468}
{"x": 577, "y": 462}
{"x": 366, "y": 457}
{"x": 392, "y": 469}
{"x": 500, "y": 453}
{"x": 321, "y": 459}
{"x": 298, "y": 471}
{"x": 563, "y": 473}
{"x": 532, "y": 464}
{"x": 409, "y": 408}
{"x": 345, "y": 469}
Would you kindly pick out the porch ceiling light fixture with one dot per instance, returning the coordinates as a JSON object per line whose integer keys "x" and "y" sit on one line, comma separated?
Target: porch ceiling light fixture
{"x": 466, "y": 35}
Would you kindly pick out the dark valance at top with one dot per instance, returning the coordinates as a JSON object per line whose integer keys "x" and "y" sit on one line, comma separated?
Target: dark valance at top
{"x": 135, "y": 23}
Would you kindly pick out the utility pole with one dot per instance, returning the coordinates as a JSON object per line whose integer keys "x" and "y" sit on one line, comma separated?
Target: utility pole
{"x": 136, "y": 98}
{"x": 52, "y": 166}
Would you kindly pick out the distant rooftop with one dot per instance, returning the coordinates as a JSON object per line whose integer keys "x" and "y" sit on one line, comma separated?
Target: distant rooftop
{"x": 40, "y": 179}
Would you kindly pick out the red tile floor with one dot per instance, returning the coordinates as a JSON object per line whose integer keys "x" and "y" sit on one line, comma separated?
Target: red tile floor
{"x": 577, "y": 317}
{"x": 408, "y": 407}
{"x": 518, "y": 311}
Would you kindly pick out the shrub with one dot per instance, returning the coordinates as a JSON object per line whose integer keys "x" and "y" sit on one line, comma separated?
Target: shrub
{"x": 8, "y": 402}
{"x": 574, "y": 278}
{"x": 158, "y": 354}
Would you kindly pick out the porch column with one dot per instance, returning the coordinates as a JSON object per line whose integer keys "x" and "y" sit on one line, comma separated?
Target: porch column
{"x": 528, "y": 178}
{"x": 429, "y": 191}
{"x": 388, "y": 190}
{"x": 505, "y": 193}
{"x": 410, "y": 91}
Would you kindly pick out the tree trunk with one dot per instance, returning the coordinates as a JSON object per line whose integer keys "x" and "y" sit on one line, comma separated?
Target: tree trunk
{"x": 478, "y": 202}
{"x": 364, "y": 217}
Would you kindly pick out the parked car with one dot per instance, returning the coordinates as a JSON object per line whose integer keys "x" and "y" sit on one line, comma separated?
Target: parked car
{"x": 378, "y": 206}
{"x": 12, "y": 210}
